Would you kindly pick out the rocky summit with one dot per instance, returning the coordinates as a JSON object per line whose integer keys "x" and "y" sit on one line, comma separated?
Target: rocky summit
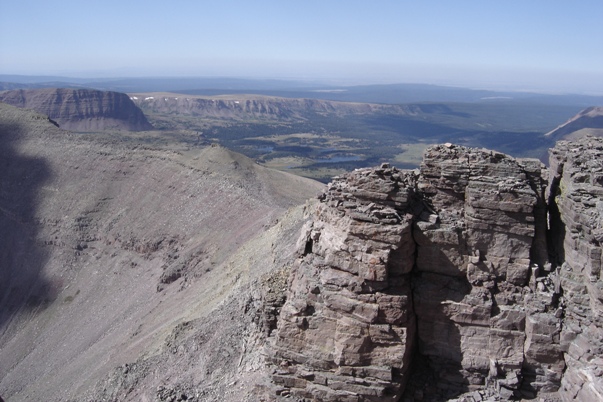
{"x": 136, "y": 273}
{"x": 474, "y": 278}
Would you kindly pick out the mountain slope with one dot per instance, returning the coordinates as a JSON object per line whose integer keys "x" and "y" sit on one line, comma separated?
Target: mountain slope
{"x": 81, "y": 109}
{"x": 107, "y": 249}
{"x": 588, "y": 121}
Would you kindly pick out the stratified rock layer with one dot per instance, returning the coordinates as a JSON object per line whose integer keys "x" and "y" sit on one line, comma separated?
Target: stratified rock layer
{"x": 482, "y": 321}
{"x": 576, "y": 198}
{"x": 464, "y": 267}
{"x": 256, "y": 107}
{"x": 81, "y": 109}
{"x": 345, "y": 332}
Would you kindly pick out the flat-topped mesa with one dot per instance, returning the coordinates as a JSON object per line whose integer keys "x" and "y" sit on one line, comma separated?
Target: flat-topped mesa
{"x": 347, "y": 330}
{"x": 81, "y": 109}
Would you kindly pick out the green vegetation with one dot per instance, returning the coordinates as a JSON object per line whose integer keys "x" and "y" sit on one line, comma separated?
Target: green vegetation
{"x": 322, "y": 145}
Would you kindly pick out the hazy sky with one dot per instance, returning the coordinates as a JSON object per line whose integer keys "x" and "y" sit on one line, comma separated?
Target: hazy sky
{"x": 520, "y": 44}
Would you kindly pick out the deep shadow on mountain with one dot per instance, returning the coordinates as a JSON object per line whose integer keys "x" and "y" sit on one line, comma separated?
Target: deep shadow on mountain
{"x": 23, "y": 288}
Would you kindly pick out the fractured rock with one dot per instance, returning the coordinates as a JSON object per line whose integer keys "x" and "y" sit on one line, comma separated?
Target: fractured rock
{"x": 576, "y": 194}
{"x": 347, "y": 329}
{"x": 466, "y": 264}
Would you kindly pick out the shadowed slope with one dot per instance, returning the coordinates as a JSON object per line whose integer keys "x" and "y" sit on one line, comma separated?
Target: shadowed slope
{"x": 134, "y": 242}
{"x": 23, "y": 289}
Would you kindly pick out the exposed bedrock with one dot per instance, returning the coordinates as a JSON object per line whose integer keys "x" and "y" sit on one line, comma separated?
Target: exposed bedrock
{"x": 81, "y": 109}
{"x": 347, "y": 330}
{"x": 486, "y": 317}
{"x": 576, "y": 197}
{"x": 454, "y": 279}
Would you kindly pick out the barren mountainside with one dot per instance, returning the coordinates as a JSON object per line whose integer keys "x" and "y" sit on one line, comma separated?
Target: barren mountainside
{"x": 109, "y": 251}
{"x": 81, "y": 109}
{"x": 588, "y": 121}
{"x": 143, "y": 274}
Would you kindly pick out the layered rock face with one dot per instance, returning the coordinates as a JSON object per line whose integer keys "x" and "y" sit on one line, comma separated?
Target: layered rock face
{"x": 482, "y": 319}
{"x": 459, "y": 274}
{"x": 246, "y": 107}
{"x": 81, "y": 109}
{"x": 576, "y": 198}
{"x": 345, "y": 332}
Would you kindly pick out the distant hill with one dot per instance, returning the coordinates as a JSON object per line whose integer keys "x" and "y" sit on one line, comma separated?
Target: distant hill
{"x": 258, "y": 107}
{"x": 81, "y": 109}
{"x": 587, "y": 122}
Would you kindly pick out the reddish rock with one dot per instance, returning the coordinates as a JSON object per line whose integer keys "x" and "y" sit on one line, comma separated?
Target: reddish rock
{"x": 505, "y": 292}
{"x": 348, "y": 317}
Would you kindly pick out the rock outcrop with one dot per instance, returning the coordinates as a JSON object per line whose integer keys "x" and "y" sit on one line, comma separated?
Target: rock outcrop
{"x": 457, "y": 279}
{"x": 483, "y": 320}
{"x": 81, "y": 109}
{"x": 257, "y": 107}
{"x": 576, "y": 199}
{"x": 345, "y": 331}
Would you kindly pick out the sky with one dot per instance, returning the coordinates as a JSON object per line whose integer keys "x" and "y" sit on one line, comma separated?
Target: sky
{"x": 549, "y": 46}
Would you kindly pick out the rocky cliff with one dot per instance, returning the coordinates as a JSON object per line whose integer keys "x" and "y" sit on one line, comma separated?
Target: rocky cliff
{"x": 576, "y": 199}
{"x": 474, "y": 276}
{"x": 81, "y": 109}
{"x": 134, "y": 273}
{"x": 256, "y": 107}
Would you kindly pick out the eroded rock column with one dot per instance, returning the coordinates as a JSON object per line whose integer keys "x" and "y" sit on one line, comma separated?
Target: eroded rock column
{"x": 482, "y": 322}
{"x": 464, "y": 268}
{"x": 576, "y": 193}
{"x": 347, "y": 330}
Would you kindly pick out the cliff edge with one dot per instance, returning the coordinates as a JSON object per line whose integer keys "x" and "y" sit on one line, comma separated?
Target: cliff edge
{"x": 81, "y": 109}
{"x": 475, "y": 277}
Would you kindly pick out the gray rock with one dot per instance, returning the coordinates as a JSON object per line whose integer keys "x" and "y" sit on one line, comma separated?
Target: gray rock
{"x": 461, "y": 250}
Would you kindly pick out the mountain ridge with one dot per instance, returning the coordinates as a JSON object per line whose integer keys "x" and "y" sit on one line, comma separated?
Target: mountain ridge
{"x": 587, "y": 122}
{"x": 378, "y": 93}
{"x": 81, "y": 109}
{"x": 140, "y": 273}
{"x": 107, "y": 247}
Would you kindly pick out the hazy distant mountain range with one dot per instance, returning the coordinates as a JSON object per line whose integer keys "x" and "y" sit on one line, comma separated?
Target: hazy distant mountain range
{"x": 388, "y": 93}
